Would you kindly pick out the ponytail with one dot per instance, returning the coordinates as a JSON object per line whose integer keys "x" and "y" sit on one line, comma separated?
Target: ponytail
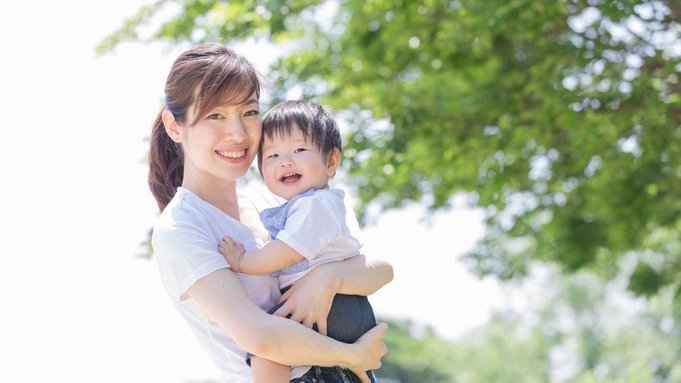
{"x": 166, "y": 164}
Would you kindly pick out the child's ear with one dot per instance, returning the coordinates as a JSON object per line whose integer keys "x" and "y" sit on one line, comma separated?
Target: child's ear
{"x": 172, "y": 128}
{"x": 332, "y": 162}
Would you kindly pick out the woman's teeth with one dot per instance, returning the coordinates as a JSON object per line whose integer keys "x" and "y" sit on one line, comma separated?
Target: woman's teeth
{"x": 231, "y": 153}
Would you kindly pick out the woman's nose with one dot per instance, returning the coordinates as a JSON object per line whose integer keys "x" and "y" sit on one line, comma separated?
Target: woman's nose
{"x": 235, "y": 130}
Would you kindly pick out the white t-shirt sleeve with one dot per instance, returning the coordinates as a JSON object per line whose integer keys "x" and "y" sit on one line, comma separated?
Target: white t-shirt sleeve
{"x": 185, "y": 254}
{"x": 310, "y": 227}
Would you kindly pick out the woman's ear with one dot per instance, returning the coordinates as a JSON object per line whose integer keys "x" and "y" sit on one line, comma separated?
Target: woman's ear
{"x": 172, "y": 128}
{"x": 332, "y": 162}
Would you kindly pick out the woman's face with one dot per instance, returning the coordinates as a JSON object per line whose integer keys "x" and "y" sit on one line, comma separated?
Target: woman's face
{"x": 223, "y": 143}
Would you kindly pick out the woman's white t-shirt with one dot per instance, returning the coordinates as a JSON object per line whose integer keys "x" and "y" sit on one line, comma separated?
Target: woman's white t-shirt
{"x": 184, "y": 241}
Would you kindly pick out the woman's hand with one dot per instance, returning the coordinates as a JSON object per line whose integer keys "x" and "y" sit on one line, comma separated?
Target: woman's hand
{"x": 371, "y": 349}
{"x": 309, "y": 300}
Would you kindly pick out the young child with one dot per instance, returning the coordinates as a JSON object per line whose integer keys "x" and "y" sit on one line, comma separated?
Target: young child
{"x": 299, "y": 152}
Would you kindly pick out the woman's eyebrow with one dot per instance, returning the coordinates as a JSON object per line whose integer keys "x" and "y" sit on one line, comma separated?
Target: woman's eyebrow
{"x": 250, "y": 101}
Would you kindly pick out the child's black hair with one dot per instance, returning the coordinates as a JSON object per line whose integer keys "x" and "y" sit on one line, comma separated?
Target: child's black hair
{"x": 314, "y": 120}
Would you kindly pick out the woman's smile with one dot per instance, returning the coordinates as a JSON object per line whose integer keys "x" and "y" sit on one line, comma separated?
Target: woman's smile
{"x": 233, "y": 156}
{"x": 231, "y": 153}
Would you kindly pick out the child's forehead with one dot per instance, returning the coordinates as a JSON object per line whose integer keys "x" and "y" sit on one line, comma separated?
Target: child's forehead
{"x": 280, "y": 138}
{"x": 286, "y": 135}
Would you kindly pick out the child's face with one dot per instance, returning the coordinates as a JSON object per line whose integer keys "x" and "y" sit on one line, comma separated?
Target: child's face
{"x": 291, "y": 166}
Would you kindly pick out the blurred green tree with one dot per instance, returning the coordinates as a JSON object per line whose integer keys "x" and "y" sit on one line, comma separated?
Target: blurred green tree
{"x": 560, "y": 119}
{"x": 578, "y": 330}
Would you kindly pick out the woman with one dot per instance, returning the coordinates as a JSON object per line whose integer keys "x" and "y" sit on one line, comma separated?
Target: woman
{"x": 203, "y": 141}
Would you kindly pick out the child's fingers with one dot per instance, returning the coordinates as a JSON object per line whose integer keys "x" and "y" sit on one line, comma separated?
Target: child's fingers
{"x": 226, "y": 242}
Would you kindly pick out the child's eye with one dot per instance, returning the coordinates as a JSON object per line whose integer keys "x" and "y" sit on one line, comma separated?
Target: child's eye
{"x": 252, "y": 113}
{"x": 273, "y": 156}
{"x": 299, "y": 150}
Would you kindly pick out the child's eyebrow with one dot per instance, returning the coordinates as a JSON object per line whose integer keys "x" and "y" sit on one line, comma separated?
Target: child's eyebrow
{"x": 266, "y": 147}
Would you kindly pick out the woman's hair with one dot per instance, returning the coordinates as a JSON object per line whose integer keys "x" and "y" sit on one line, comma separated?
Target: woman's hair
{"x": 315, "y": 121}
{"x": 203, "y": 77}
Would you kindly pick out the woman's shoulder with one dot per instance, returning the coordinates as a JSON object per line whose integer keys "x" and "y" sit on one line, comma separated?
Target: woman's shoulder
{"x": 176, "y": 215}
{"x": 186, "y": 214}
{"x": 181, "y": 208}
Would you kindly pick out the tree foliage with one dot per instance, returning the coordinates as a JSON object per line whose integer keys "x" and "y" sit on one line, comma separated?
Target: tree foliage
{"x": 561, "y": 119}
{"x": 579, "y": 330}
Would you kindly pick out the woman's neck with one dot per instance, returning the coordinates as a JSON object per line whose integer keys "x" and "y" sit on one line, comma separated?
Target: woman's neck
{"x": 222, "y": 195}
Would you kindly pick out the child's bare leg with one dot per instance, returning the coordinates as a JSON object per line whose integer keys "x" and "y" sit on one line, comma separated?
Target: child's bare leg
{"x": 267, "y": 371}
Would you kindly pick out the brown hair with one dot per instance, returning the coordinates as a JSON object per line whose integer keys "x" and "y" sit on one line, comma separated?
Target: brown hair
{"x": 204, "y": 77}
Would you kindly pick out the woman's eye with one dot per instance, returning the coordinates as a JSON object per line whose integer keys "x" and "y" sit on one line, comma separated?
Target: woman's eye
{"x": 252, "y": 113}
{"x": 214, "y": 116}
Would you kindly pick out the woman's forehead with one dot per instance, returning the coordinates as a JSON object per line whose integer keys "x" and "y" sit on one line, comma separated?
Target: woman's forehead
{"x": 241, "y": 98}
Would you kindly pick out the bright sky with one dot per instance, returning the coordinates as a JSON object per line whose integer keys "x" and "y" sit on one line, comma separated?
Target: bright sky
{"x": 77, "y": 305}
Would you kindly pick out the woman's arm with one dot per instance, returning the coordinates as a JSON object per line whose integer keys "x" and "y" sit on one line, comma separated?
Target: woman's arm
{"x": 309, "y": 300}
{"x": 222, "y": 297}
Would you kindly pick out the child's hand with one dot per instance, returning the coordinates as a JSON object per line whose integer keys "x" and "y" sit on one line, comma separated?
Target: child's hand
{"x": 233, "y": 251}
